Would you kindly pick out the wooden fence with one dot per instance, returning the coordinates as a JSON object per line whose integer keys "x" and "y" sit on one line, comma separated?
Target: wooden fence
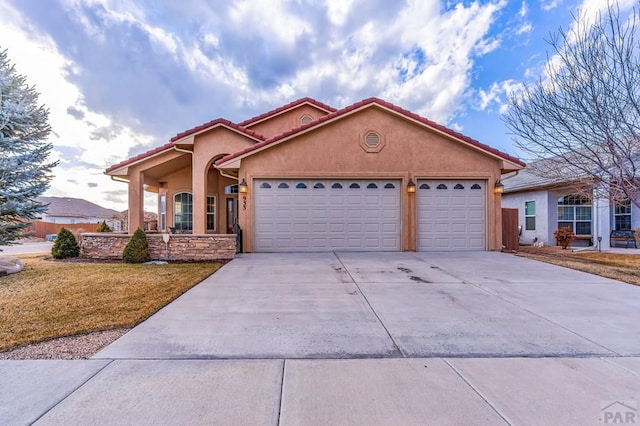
{"x": 41, "y": 229}
{"x": 510, "y": 230}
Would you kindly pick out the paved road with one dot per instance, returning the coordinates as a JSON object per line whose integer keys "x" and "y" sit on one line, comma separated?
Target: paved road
{"x": 355, "y": 338}
{"x": 26, "y": 248}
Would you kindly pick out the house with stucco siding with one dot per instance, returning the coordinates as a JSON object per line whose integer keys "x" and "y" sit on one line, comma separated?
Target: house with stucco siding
{"x": 308, "y": 177}
{"x": 545, "y": 204}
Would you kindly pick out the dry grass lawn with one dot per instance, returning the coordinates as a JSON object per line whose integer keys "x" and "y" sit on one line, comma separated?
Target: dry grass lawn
{"x": 53, "y": 299}
{"x": 623, "y": 267}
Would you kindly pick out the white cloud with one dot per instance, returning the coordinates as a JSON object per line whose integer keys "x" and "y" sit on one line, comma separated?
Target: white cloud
{"x": 414, "y": 54}
{"x": 524, "y": 28}
{"x": 498, "y": 94}
{"x": 36, "y": 57}
{"x": 549, "y": 4}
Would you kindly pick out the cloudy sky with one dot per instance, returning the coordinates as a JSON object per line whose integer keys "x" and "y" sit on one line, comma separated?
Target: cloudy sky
{"x": 121, "y": 77}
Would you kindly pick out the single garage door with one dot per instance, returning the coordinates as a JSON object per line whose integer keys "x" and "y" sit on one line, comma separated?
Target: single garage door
{"x": 325, "y": 215}
{"x": 451, "y": 215}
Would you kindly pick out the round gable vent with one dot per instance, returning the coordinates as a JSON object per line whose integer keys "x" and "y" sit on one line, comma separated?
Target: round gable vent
{"x": 305, "y": 119}
{"x": 372, "y": 140}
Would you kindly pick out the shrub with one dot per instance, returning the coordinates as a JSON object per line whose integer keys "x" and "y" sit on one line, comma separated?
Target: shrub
{"x": 137, "y": 249}
{"x": 103, "y": 227}
{"x": 564, "y": 236}
{"x": 65, "y": 245}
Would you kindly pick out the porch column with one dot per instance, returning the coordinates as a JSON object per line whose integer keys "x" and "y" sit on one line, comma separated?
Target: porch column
{"x": 136, "y": 201}
{"x": 601, "y": 222}
{"x": 199, "y": 188}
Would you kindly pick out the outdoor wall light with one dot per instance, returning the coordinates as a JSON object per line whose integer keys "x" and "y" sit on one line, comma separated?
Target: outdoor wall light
{"x": 411, "y": 187}
{"x": 498, "y": 188}
{"x": 243, "y": 188}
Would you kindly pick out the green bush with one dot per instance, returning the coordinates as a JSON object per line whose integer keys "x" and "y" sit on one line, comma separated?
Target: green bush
{"x": 137, "y": 249}
{"x": 103, "y": 227}
{"x": 564, "y": 236}
{"x": 65, "y": 245}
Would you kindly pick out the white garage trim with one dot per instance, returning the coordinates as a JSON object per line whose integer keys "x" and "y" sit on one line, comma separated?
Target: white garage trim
{"x": 325, "y": 215}
{"x": 452, "y": 215}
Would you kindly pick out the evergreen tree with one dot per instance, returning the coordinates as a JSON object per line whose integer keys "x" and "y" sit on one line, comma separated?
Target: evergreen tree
{"x": 137, "y": 249}
{"x": 103, "y": 227}
{"x": 25, "y": 171}
{"x": 65, "y": 245}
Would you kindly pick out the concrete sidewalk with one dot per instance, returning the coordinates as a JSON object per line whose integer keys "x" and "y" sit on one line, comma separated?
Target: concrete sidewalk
{"x": 567, "y": 391}
{"x": 358, "y": 338}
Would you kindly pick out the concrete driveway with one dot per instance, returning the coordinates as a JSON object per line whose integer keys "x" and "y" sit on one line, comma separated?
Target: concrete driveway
{"x": 358, "y": 339}
{"x": 390, "y": 305}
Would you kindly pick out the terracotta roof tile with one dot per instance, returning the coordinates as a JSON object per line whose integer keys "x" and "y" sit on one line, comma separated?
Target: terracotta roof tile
{"x": 285, "y": 108}
{"x": 215, "y": 122}
{"x": 219, "y": 121}
{"x": 140, "y": 157}
{"x": 360, "y": 104}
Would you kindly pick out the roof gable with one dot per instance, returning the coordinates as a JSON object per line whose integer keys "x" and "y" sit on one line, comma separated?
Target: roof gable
{"x": 286, "y": 108}
{"x": 217, "y": 123}
{"x": 337, "y": 114}
{"x": 181, "y": 136}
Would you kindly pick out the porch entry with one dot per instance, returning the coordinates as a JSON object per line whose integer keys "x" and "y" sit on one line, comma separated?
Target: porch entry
{"x": 232, "y": 213}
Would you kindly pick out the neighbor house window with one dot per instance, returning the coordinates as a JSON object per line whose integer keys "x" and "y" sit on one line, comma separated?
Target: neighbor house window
{"x": 530, "y": 215}
{"x": 183, "y": 211}
{"x": 574, "y": 212}
{"x": 163, "y": 212}
{"x": 211, "y": 213}
{"x": 622, "y": 215}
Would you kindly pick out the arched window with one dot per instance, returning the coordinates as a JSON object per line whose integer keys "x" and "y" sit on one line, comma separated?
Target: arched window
{"x": 183, "y": 211}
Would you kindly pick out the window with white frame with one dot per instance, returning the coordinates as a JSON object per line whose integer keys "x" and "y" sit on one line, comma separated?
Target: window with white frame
{"x": 574, "y": 212}
{"x": 163, "y": 212}
{"x": 211, "y": 213}
{"x": 183, "y": 211}
{"x": 622, "y": 215}
{"x": 530, "y": 215}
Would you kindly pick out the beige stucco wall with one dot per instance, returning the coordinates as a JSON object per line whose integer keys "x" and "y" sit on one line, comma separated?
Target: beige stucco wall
{"x": 410, "y": 151}
{"x": 286, "y": 121}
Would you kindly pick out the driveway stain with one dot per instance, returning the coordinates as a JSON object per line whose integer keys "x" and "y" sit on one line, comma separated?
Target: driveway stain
{"x": 405, "y": 270}
{"x": 419, "y": 279}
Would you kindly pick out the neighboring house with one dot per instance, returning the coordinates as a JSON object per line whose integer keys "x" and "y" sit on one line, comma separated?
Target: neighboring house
{"x": 150, "y": 221}
{"x": 546, "y": 204}
{"x": 307, "y": 177}
{"x": 66, "y": 210}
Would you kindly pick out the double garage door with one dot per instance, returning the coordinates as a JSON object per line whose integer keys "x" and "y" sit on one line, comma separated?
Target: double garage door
{"x": 321, "y": 215}
{"x": 365, "y": 215}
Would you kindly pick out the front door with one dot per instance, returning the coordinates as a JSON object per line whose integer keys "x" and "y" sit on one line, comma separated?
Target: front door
{"x": 232, "y": 214}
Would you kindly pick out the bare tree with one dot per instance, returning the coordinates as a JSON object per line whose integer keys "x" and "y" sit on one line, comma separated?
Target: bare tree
{"x": 581, "y": 122}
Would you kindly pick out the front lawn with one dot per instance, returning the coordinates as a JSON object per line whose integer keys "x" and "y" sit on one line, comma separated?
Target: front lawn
{"x": 622, "y": 267}
{"x": 53, "y": 299}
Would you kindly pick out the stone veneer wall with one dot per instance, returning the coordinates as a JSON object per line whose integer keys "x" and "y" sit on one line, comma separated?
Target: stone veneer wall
{"x": 182, "y": 247}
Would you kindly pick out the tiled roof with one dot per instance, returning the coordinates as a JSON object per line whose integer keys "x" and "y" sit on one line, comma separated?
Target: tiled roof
{"x": 140, "y": 157}
{"x": 218, "y": 121}
{"x": 361, "y": 104}
{"x": 170, "y": 145}
{"x": 75, "y": 207}
{"x": 286, "y": 107}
